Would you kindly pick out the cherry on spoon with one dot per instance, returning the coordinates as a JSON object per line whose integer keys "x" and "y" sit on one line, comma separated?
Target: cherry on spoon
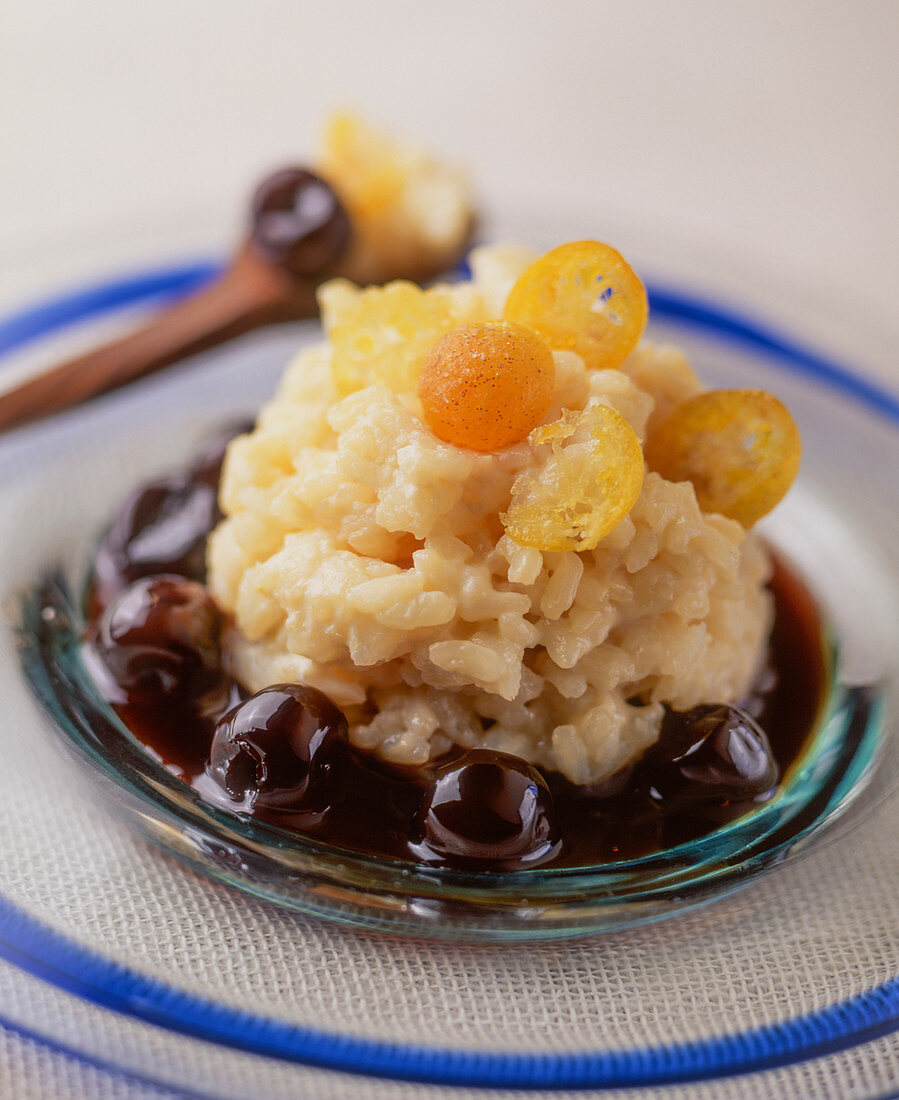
{"x": 299, "y": 232}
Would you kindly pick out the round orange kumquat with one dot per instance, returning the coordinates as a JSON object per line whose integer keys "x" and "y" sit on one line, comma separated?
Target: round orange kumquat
{"x": 485, "y": 386}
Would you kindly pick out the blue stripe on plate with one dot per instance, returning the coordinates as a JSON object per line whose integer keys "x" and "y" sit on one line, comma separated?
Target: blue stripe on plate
{"x": 726, "y": 322}
{"x": 51, "y": 314}
{"x": 48, "y": 955}
{"x": 52, "y": 957}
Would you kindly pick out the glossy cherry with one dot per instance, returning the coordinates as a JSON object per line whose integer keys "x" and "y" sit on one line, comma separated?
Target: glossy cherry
{"x": 281, "y": 751}
{"x": 161, "y": 638}
{"x": 163, "y": 525}
{"x": 488, "y": 808}
{"x": 161, "y": 528}
{"x": 712, "y": 754}
{"x": 298, "y": 222}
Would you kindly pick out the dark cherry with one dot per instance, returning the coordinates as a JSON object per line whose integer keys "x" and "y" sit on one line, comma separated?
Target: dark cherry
{"x": 298, "y": 222}
{"x": 161, "y": 638}
{"x": 161, "y": 528}
{"x": 488, "y": 808}
{"x": 282, "y": 751}
{"x": 712, "y": 754}
{"x": 207, "y": 465}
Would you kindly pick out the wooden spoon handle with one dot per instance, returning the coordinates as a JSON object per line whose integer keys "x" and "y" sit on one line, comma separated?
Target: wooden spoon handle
{"x": 249, "y": 294}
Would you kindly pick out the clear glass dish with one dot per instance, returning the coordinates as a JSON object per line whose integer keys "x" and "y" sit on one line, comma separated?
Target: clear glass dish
{"x": 409, "y": 898}
{"x": 135, "y": 939}
{"x": 402, "y": 896}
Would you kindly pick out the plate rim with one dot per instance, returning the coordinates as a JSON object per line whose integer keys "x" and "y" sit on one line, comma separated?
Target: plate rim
{"x": 51, "y": 956}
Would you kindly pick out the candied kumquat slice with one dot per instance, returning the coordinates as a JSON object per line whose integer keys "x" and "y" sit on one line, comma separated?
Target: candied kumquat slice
{"x": 385, "y": 334}
{"x": 582, "y": 297}
{"x": 486, "y": 386}
{"x": 589, "y": 479}
{"x": 740, "y": 448}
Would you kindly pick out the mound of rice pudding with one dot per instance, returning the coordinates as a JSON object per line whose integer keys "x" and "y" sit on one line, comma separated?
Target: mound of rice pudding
{"x": 363, "y": 555}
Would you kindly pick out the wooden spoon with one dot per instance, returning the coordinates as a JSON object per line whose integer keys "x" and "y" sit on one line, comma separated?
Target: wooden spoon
{"x": 299, "y": 233}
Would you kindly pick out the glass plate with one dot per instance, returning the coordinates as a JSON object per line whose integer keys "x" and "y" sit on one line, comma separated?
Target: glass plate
{"x": 839, "y": 527}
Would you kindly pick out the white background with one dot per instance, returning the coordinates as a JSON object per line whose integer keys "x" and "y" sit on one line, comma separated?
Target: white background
{"x": 766, "y": 127}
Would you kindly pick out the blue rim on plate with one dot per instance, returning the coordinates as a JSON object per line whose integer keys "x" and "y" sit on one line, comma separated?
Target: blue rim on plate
{"x": 49, "y": 955}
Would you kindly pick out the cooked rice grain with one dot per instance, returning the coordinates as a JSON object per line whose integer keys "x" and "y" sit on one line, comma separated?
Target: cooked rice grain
{"x": 362, "y": 555}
